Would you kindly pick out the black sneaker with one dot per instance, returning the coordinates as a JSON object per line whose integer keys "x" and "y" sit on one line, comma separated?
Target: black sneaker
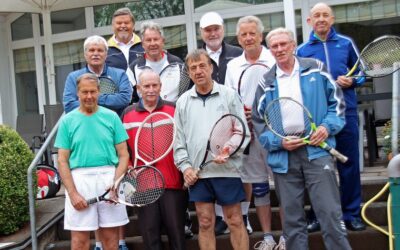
{"x": 220, "y": 226}
{"x": 356, "y": 224}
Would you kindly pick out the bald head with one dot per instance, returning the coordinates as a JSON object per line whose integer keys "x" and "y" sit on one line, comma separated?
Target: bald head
{"x": 321, "y": 19}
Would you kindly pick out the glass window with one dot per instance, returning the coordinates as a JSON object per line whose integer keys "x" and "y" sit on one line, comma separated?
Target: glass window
{"x": 25, "y": 80}
{"x": 68, "y": 20}
{"x": 141, "y": 9}
{"x": 68, "y": 57}
{"x": 212, "y": 5}
{"x": 22, "y": 27}
{"x": 175, "y": 40}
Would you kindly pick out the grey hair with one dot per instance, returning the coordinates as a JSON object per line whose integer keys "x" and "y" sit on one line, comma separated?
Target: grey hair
{"x": 125, "y": 11}
{"x": 279, "y": 31}
{"x": 195, "y": 55}
{"x": 150, "y": 25}
{"x": 88, "y": 76}
{"x": 250, "y": 19}
{"x": 94, "y": 40}
{"x": 147, "y": 71}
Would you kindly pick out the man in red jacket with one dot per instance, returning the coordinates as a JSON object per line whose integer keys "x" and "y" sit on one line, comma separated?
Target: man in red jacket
{"x": 169, "y": 210}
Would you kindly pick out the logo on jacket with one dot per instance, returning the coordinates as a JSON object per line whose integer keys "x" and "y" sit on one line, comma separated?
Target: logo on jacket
{"x": 312, "y": 79}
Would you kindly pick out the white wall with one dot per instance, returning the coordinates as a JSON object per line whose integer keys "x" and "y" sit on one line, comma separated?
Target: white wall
{"x": 6, "y": 114}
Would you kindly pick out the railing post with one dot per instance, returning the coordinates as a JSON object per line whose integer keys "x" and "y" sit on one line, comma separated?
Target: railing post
{"x": 31, "y": 195}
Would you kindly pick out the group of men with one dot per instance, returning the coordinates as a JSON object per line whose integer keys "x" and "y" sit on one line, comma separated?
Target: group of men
{"x": 94, "y": 142}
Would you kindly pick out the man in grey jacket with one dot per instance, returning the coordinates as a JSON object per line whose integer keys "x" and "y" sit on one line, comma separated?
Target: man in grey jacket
{"x": 220, "y": 180}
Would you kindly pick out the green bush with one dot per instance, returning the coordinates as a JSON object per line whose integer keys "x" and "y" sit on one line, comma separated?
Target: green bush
{"x": 15, "y": 157}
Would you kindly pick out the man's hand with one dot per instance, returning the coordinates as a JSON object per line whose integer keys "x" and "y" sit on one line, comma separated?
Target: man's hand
{"x": 223, "y": 156}
{"x": 292, "y": 143}
{"x": 344, "y": 81}
{"x": 77, "y": 201}
{"x": 319, "y": 136}
{"x": 190, "y": 176}
{"x": 247, "y": 112}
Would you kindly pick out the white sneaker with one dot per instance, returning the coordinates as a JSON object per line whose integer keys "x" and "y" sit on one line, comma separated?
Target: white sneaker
{"x": 281, "y": 245}
{"x": 247, "y": 224}
{"x": 265, "y": 245}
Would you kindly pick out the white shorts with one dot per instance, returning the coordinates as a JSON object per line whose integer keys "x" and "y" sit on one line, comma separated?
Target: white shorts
{"x": 92, "y": 182}
{"x": 254, "y": 167}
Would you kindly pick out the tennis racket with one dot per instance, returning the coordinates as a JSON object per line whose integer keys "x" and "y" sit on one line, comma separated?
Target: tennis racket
{"x": 138, "y": 187}
{"x": 378, "y": 57}
{"x": 248, "y": 82}
{"x": 175, "y": 81}
{"x": 226, "y": 137}
{"x": 107, "y": 85}
{"x": 287, "y": 118}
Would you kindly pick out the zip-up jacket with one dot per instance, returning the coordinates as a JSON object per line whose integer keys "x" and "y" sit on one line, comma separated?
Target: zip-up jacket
{"x": 322, "y": 97}
{"x": 132, "y": 117}
{"x": 116, "y": 102}
{"x": 228, "y": 53}
{"x": 115, "y": 57}
{"x": 339, "y": 53}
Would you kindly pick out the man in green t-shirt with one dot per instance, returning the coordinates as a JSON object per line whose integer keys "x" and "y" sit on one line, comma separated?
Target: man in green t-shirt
{"x": 92, "y": 155}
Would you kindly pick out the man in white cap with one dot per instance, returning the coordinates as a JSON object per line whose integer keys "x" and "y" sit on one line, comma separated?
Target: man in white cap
{"x": 212, "y": 33}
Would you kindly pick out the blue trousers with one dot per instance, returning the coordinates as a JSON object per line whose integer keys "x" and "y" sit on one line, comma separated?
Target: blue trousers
{"x": 349, "y": 173}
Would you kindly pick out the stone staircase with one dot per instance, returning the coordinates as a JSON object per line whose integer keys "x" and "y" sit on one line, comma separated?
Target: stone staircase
{"x": 369, "y": 239}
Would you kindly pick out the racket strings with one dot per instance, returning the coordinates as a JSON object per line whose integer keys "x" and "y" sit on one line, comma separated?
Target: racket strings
{"x": 155, "y": 137}
{"x": 249, "y": 80}
{"x": 378, "y": 58}
{"x": 226, "y": 136}
{"x": 107, "y": 86}
{"x": 144, "y": 187}
{"x": 288, "y": 118}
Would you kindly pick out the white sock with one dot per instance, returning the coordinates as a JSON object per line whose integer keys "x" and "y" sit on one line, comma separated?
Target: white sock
{"x": 98, "y": 244}
{"x": 268, "y": 236}
{"x": 245, "y": 207}
{"x": 121, "y": 243}
{"x": 218, "y": 210}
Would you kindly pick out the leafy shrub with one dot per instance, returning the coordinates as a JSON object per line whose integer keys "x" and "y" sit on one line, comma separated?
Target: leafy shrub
{"x": 387, "y": 137}
{"x": 15, "y": 157}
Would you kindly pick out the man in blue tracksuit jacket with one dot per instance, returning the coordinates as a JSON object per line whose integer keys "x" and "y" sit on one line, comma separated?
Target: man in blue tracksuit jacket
{"x": 299, "y": 167}
{"x": 339, "y": 53}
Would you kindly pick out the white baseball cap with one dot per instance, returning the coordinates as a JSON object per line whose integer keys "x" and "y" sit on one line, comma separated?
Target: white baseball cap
{"x": 211, "y": 18}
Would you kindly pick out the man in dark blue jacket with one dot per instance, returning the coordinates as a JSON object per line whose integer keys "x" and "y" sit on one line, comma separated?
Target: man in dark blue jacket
{"x": 339, "y": 53}
{"x": 124, "y": 46}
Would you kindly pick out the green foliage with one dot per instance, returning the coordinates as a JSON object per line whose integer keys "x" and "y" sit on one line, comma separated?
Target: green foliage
{"x": 15, "y": 157}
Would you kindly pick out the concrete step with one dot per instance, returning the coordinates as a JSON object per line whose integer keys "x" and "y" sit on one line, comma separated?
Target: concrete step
{"x": 369, "y": 239}
{"x": 375, "y": 213}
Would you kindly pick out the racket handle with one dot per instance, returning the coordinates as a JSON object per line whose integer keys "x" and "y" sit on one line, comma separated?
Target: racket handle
{"x": 340, "y": 157}
{"x": 92, "y": 201}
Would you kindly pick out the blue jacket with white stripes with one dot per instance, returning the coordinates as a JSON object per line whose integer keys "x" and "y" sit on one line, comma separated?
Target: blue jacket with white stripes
{"x": 339, "y": 53}
{"x": 322, "y": 97}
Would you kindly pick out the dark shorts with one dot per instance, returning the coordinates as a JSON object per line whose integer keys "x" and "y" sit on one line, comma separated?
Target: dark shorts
{"x": 223, "y": 191}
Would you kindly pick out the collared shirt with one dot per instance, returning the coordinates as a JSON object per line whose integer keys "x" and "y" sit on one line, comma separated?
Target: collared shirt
{"x": 235, "y": 68}
{"x": 214, "y": 55}
{"x": 289, "y": 86}
{"x": 125, "y": 47}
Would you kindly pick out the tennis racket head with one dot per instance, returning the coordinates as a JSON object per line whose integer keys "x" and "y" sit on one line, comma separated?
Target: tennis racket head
{"x": 176, "y": 74}
{"x": 286, "y": 117}
{"x": 141, "y": 186}
{"x": 226, "y": 138}
{"x": 378, "y": 57}
{"x": 155, "y": 137}
{"x": 248, "y": 82}
{"x": 107, "y": 85}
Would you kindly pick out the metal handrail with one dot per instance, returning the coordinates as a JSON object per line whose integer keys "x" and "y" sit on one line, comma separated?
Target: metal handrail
{"x": 31, "y": 195}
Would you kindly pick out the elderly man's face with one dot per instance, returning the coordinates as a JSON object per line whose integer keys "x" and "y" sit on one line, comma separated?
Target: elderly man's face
{"x": 249, "y": 37}
{"x": 123, "y": 28}
{"x": 282, "y": 48}
{"x": 95, "y": 54}
{"x": 200, "y": 71}
{"x": 153, "y": 44}
{"x": 212, "y": 36}
{"x": 150, "y": 88}
{"x": 321, "y": 19}
{"x": 88, "y": 93}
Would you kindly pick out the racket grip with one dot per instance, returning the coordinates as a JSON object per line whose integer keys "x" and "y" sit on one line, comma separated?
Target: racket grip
{"x": 340, "y": 157}
{"x": 92, "y": 201}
